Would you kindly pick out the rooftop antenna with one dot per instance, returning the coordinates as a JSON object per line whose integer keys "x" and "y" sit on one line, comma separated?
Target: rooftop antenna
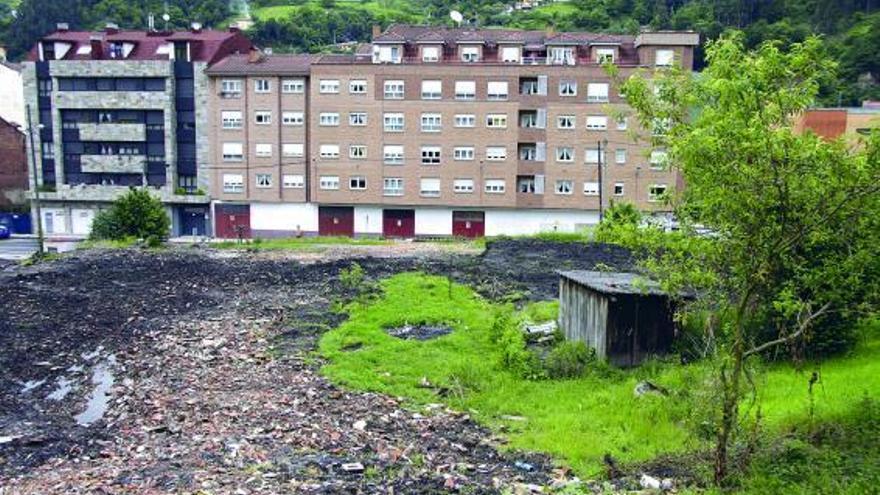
{"x": 151, "y": 22}
{"x": 456, "y": 16}
{"x": 166, "y": 17}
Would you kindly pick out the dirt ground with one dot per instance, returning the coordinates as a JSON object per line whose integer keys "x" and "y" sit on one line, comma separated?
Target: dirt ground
{"x": 188, "y": 370}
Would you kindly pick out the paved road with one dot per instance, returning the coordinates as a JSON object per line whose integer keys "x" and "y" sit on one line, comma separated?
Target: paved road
{"x": 17, "y": 248}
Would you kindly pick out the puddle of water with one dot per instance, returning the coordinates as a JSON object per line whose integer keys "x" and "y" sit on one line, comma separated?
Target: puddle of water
{"x": 64, "y": 387}
{"x": 30, "y": 385}
{"x": 99, "y": 400}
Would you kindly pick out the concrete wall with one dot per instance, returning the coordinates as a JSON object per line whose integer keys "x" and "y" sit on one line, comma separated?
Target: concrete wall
{"x": 284, "y": 218}
{"x": 521, "y": 222}
{"x": 12, "y": 102}
{"x": 434, "y": 221}
{"x": 368, "y": 220}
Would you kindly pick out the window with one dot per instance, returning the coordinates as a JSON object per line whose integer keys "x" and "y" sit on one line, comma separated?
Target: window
{"x": 430, "y": 155}
{"x": 465, "y": 120}
{"x": 664, "y": 58}
{"x": 329, "y": 151}
{"x": 293, "y": 85}
{"x": 432, "y": 122}
{"x": 565, "y": 121}
{"x": 386, "y": 54}
{"x": 568, "y": 88}
{"x": 328, "y": 182}
{"x": 497, "y": 90}
{"x": 432, "y": 90}
{"x": 525, "y": 184}
{"x": 621, "y": 124}
{"x": 47, "y": 149}
{"x": 618, "y": 188}
{"x": 620, "y": 156}
{"x": 233, "y": 152}
{"x": 496, "y": 121}
{"x": 496, "y": 153}
{"x": 564, "y": 186}
{"x": 292, "y": 149}
{"x": 430, "y": 53}
{"x": 660, "y": 126}
{"x": 357, "y": 151}
{"x": 561, "y": 55}
{"x": 230, "y": 88}
{"x": 293, "y": 182}
{"x": 393, "y": 90}
{"x": 233, "y": 183}
{"x": 494, "y": 186}
{"x": 329, "y": 119}
{"x": 292, "y": 118}
{"x": 392, "y": 154}
{"x": 597, "y": 92}
{"x": 463, "y": 153}
{"x": 510, "y": 54}
{"x": 465, "y": 90}
{"x": 658, "y": 159}
{"x": 463, "y": 186}
{"x": 357, "y": 183}
{"x": 264, "y": 180}
{"x": 263, "y": 150}
{"x": 262, "y": 86}
{"x": 231, "y": 120}
{"x": 392, "y": 186}
{"x": 597, "y": 122}
{"x": 592, "y": 156}
{"x": 393, "y": 122}
{"x": 470, "y": 54}
{"x": 605, "y": 55}
{"x": 357, "y": 118}
{"x": 429, "y": 187}
{"x": 564, "y": 154}
{"x": 591, "y": 188}
{"x": 656, "y": 192}
{"x": 263, "y": 118}
{"x": 328, "y": 86}
{"x": 357, "y": 87}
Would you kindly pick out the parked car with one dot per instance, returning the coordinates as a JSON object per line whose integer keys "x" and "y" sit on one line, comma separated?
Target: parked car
{"x": 4, "y": 232}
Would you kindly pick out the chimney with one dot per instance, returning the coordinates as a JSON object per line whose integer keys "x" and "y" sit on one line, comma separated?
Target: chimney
{"x": 377, "y": 30}
{"x": 255, "y": 55}
{"x": 233, "y": 28}
{"x": 111, "y": 28}
{"x": 196, "y": 27}
{"x": 96, "y": 42}
{"x": 62, "y": 26}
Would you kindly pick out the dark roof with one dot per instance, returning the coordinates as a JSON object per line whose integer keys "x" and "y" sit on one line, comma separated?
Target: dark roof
{"x": 267, "y": 65}
{"x": 10, "y": 65}
{"x": 410, "y": 34}
{"x": 614, "y": 282}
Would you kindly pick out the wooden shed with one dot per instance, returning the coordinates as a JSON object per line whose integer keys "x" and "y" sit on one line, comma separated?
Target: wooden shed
{"x": 623, "y": 316}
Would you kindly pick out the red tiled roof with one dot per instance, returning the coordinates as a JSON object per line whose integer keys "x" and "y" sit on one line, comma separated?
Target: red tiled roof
{"x": 265, "y": 65}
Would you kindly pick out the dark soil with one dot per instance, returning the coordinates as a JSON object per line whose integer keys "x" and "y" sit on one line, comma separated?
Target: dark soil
{"x": 419, "y": 332}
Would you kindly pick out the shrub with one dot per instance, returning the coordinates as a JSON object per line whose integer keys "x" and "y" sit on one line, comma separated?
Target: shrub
{"x": 569, "y": 360}
{"x": 352, "y": 277}
{"x": 516, "y": 357}
{"x": 136, "y": 214}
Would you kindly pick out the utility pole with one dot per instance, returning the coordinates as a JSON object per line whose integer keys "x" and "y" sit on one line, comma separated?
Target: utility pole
{"x": 36, "y": 185}
{"x": 599, "y": 162}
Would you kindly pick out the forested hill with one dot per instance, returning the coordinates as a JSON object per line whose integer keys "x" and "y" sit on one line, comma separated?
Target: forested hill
{"x": 851, "y": 27}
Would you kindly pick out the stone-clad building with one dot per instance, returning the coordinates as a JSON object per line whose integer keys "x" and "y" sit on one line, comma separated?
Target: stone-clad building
{"x": 121, "y": 108}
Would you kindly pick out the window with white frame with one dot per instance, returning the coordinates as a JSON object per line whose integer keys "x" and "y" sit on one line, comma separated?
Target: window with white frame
{"x": 494, "y": 186}
{"x": 656, "y": 192}
{"x": 263, "y": 117}
{"x": 328, "y": 182}
{"x": 292, "y": 118}
{"x": 604, "y": 55}
{"x": 230, "y": 88}
{"x": 664, "y": 58}
{"x": 510, "y": 54}
{"x": 431, "y": 155}
{"x": 592, "y": 156}
{"x": 357, "y": 118}
{"x": 328, "y": 119}
{"x": 597, "y": 122}
{"x": 591, "y": 188}
{"x": 392, "y": 186}
{"x": 620, "y": 156}
{"x": 328, "y": 151}
{"x": 497, "y": 90}
{"x": 568, "y": 88}
{"x": 386, "y": 54}
{"x": 470, "y": 54}
{"x": 293, "y": 85}
{"x": 357, "y": 87}
{"x": 263, "y": 150}
{"x": 430, "y": 53}
{"x": 328, "y": 86}
{"x": 233, "y": 183}
{"x": 618, "y": 189}
{"x": 231, "y": 119}
{"x": 465, "y": 90}
{"x": 496, "y": 153}
{"x": 393, "y": 90}
{"x": 293, "y": 181}
{"x": 262, "y": 86}
{"x": 658, "y": 159}
{"x": 263, "y": 181}
{"x": 564, "y": 186}
{"x": 432, "y": 122}
{"x": 357, "y": 183}
{"x": 392, "y": 154}
{"x": 429, "y": 187}
{"x": 393, "y": 122}
{"x": 496, "y": 120}
{"x": 432, "y": 90}
{"x": 565, "y": 121}
{"x": 463, "y": 153}
{"x": 233, "y": 152}
{"x": 597, "y": 92}
{"x": 564, "y": 154}
{"x": 294, "y": 150}
{"x": 357, "y": 151}
{"x": 465, "y": 120}
{"x": 463, "y": 186}
{"x": 561, "y": 55}
{"x": 621, "y": 124}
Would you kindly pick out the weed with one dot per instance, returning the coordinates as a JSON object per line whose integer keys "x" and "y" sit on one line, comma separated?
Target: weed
{"x": 569, "y": 360}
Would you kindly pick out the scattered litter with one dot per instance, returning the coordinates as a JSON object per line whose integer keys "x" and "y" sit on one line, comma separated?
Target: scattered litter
{"x": 353, "y": 467}
{"x": 645, "y": 387}
{"x": 359, "y": 425}
{"x": 30, "y": 385}
{"x": 525, "y": 466}
{"x": 649, "y": 482}
{"x": 8, "y": 439}
{"x": 419, "y": 332}
{"x": 547, "y": 328}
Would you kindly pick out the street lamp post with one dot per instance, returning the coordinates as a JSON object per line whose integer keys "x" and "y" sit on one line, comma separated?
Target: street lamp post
{"x": 36, "y": 184}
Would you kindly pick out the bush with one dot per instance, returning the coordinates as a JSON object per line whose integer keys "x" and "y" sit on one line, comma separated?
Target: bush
{"x": 516, "y": 357}
{"x": 136, "y": 214}
{"x": 569, "y": 360}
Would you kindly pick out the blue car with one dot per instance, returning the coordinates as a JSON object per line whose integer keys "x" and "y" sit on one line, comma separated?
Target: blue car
{"x": 4, "y": 232}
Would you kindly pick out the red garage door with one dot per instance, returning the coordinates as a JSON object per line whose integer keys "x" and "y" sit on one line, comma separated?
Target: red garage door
{"x": 468, "y": 224}
{"x": 336, "y": 221}
{"x": 232, "y": 221}
{"x": 399, "y": 223}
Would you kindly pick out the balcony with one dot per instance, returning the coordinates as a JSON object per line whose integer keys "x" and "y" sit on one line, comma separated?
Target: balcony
{"x": 112, "y": 132}
{"x": 113, "y": 164}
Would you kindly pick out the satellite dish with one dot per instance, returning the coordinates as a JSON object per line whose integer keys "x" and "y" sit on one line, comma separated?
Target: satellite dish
{"x": 166, "y": 17}
{"x": 456, "y": 16}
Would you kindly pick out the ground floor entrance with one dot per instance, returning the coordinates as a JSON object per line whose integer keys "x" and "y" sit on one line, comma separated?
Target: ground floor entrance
{"x": 232, "y": 221}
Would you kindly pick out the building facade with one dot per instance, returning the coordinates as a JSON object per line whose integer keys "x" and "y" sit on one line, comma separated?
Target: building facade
{"x": 833, "y": 123}
{"x": 12, "y": 103}
{"x": 114, "y": 109}
{"x": 13, "y": 165}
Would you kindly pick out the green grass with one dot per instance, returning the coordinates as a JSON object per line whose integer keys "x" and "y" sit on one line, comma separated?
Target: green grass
{"x": 107, "y": 243}
{"x": 301, "y": 243}
{"x": 400, "y": 10}
{"x": 577, "y": 420}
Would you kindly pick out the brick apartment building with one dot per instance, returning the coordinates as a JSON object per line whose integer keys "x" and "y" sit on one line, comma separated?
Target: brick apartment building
{"x": 435, "y": 131}
{"x": 121, "y": 108}
{"x": 832, "y": 123}
{"x": 13, "y": 165}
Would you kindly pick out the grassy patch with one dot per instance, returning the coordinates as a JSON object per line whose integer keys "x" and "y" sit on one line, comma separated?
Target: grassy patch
{"x": 107, "y": 243}
{"x": 400, "y": 10}
{"x": 579, "y": 236}
{"x": 577, "y": 420}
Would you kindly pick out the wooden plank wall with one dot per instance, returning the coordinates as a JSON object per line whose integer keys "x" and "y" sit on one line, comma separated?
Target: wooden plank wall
{"x": 583, "y": 315}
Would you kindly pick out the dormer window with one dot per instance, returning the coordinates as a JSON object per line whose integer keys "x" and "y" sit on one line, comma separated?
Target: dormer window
{"x": 561, "y": 55}
{"x": 605, "y": 55}
{"x": 470, "y": 54}
{"x": 116, "y": 50}
{"x": 430, "y": 54}
{"x": 510, "y": 54}
{"x": 385, "y": 54}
